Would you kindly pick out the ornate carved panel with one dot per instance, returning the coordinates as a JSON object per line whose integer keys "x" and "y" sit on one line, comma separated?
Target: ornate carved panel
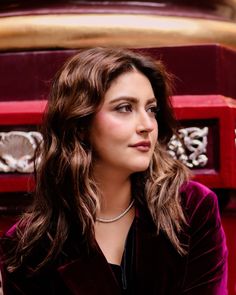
{"x": 17, "y": 149}
{"x": 191, "y": 146}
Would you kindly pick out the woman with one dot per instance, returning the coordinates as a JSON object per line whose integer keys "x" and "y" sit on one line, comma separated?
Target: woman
{"x": 113, "y": 212}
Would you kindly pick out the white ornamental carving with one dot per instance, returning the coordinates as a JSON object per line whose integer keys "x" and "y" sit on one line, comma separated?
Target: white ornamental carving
{"x": 191, "y": 147}
{"x": 17, "y": 150}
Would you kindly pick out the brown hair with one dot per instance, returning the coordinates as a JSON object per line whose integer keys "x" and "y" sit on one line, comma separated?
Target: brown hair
{"x": 66, "y": 196}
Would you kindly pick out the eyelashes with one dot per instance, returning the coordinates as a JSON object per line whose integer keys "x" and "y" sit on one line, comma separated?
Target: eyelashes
{"x": 125, "y": 108}
{"x": 128, "y": 108}
{"x": 154, "y": 109}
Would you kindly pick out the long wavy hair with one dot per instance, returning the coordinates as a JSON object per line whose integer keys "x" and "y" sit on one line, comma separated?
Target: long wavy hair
{"x": 66, "y": 195}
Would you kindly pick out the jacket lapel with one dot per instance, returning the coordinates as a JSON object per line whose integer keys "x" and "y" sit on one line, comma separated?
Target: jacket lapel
{"x": 158, "y": 265}
{"x": 90, "y": 274}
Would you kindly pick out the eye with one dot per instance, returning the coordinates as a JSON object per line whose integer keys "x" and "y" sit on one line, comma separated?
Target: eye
{"x": 124, "y": 108}
{"x": 153, "y": 110}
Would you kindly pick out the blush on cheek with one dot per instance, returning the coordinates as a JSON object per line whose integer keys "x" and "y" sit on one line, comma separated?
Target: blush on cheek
{"x": 108, "y": 122}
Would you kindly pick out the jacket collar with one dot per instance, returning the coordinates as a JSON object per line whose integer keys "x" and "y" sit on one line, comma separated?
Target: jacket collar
{"x": 88, "y": 274}
{"x": 154, "y": 255}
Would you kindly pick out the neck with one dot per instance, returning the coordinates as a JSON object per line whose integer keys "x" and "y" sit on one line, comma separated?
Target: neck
{"x": 116, "y": 191}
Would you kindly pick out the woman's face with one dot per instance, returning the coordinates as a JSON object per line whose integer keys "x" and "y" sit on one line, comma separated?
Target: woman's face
{"x": 124, "y": 131}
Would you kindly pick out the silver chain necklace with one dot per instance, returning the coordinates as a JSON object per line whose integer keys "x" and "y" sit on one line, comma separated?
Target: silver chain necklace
{"x": 108, "y": 220}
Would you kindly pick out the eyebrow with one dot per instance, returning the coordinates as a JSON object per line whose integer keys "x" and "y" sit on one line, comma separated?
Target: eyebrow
{"x": 131, "y": 99}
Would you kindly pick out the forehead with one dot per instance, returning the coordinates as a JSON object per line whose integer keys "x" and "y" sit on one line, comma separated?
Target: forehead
{"x": 133, "y": 83}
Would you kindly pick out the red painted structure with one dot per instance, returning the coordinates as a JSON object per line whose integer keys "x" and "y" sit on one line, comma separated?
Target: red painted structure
{"x": 219, "y": 114}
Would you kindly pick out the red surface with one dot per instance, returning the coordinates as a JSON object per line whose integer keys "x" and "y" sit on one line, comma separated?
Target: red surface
{"x": 200, "y": 69}
{"x": 21, "y": 113}
{"x": 203, "y": 108}
{"x": 16, "y": 183}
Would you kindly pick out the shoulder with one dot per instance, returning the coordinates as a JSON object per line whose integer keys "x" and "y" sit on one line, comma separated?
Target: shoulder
{"x": 198, "y": 201}
{"x": 9, "y": 238}
{"x": 194, "y": 193}
{"x": 8, "y": 244}
{"x": 206, "y": 267}
{"x": 196, "y": 190}
{"x": 11, "y": 232}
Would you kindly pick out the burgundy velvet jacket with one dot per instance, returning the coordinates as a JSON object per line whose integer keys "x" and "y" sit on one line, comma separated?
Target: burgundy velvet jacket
{"x": 160, "y": 270}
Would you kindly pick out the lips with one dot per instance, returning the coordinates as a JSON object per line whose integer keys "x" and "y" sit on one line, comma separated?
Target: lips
{"x": 142, "y": 145}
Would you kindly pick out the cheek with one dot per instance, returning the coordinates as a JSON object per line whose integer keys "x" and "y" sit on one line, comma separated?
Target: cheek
{"x": 106, "y": 125}
{"x": 154, "y": 136}
{"x": 154, "y": 133}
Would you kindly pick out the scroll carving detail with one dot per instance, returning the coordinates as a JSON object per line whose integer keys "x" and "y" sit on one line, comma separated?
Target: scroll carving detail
{"x": 191, "y": 146}
{"x": 17, "y": 150}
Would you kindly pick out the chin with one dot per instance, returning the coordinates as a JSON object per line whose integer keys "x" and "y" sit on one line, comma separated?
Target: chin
{"x": 139, "y": 168}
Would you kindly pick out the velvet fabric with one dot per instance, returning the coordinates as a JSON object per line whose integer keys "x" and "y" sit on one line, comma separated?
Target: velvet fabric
{"x": 159, "y": 268}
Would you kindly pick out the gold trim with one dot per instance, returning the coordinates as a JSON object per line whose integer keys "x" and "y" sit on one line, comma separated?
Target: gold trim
{"x": 124, "y": 30}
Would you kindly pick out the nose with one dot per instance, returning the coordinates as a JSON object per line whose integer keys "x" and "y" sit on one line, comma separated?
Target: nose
{"x": 145, "y": 123}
